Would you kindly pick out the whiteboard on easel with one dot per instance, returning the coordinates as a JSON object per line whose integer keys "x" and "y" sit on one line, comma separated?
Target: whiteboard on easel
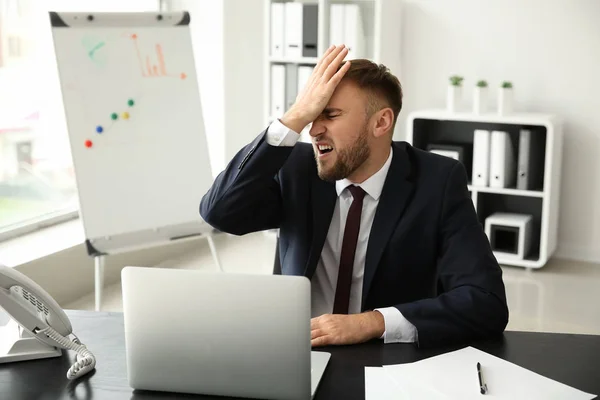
{"x": 135, "y": 124}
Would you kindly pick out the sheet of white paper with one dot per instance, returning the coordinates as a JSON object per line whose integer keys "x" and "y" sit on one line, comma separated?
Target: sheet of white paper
{"x": 454, "y": 374}
{"x": 379, "y": 385}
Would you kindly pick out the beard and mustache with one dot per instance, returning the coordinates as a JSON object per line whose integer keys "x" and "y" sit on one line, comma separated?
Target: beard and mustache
{"x": 347, "y": 161}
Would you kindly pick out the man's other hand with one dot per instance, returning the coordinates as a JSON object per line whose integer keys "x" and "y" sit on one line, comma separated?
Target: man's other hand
{"x": 341, "y": 329}
{"x": 314, "y": 97}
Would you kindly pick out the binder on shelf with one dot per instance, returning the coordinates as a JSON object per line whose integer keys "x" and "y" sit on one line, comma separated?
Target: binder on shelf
{"x": 291, "y": 85}
{"x": 310, "y": 30}
{"x": 277, "y": 29}
{"x": 502, "y": 161}
{"x": 293, "y": 30}
{"x": 530, "y": 160}
{"x": 523, "y": 159}
{"x": 481, "y": 158}
{"x": 353, "y": 31}
{"x": 304, "y": 72}
{"x": 277, "y": 90}
{"x": 336, "y": 24}
{"x": 345, "y": 27}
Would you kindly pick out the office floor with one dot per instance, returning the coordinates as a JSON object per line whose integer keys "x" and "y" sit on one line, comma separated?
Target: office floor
{"x": 564, "y": 296}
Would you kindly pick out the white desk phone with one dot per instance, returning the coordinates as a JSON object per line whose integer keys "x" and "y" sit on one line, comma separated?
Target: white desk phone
{"x": 39, "y": 327}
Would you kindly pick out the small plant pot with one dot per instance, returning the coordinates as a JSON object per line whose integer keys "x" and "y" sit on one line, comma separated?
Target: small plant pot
{"x": 480, "y": 100}
{"x": 505, "y": 101}
{"x": 453, "y": 98}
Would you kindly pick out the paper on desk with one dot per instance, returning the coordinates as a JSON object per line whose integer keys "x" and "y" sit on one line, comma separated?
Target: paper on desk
{"x": 379, "y": 385}
{"x": 454, "y": 375}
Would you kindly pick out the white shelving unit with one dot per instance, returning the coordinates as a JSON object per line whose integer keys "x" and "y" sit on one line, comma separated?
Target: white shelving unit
{"x": 440, "y": 126}
{"x": 380, "y": 27}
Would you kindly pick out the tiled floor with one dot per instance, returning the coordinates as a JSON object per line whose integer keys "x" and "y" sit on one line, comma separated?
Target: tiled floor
{"x": 564, "y": 296}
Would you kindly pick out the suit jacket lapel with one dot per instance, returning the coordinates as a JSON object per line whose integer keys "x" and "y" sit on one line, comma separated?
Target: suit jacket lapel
{"x": 323, "y": 198}
{"x": 397, "y": 191}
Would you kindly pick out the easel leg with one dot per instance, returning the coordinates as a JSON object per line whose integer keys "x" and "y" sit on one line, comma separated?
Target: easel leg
{"x": 213, "y": 250}
{"x": 99, "y": 280}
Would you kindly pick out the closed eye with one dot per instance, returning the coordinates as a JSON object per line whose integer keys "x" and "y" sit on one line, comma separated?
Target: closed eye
{"x": 331, "y": 116}
{"x": 331, "y": 113}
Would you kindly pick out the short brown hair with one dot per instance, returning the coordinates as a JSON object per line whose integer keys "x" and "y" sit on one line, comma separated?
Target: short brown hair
{"x": 383, "y": 88}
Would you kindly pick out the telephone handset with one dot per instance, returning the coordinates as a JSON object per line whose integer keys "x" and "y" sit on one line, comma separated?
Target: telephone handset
{"x": 39, "y": 314}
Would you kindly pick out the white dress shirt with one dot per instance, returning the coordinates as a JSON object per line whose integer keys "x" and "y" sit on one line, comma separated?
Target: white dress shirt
{"x": 324, "y": 280}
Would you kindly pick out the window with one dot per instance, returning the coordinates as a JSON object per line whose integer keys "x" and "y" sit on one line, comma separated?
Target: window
{"x": 37, "y": 181}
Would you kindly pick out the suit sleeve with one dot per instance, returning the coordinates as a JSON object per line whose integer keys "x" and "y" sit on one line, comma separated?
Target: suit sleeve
{"x": 246, "y": 196}
{"x": 472, "y": 304}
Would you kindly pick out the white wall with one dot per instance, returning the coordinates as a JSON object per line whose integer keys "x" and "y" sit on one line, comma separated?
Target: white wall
{"x": 550, "y": 50}
{"x": 244, "y": 65}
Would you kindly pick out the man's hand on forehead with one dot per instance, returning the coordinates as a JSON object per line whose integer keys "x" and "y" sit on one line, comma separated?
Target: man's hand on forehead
{"x": 315, "y": 96}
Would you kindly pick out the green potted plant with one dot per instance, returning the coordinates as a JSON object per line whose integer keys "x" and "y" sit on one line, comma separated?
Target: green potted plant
{"x": 454, "y": 92}
{"x": 480, "y": 96}
{"x": 505, "y": 98}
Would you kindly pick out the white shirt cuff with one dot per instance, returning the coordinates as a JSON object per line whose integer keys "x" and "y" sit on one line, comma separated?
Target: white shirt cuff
{"x": 280, "y": 135}
{"x": 397, "y": 328}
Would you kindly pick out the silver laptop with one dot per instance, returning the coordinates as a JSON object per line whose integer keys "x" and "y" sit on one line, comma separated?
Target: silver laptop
{"x": 224, "y": 334}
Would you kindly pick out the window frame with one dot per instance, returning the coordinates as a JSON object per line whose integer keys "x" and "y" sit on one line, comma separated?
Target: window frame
{"x": 37, "y": 223}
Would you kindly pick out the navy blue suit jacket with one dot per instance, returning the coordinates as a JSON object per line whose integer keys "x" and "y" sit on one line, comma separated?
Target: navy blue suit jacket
{"x": 427, "y": 253}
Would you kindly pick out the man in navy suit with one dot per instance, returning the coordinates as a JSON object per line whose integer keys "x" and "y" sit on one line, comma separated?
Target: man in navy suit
{"x": 386, "y": 233}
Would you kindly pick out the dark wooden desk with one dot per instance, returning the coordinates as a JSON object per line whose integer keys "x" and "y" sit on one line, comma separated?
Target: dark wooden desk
{"x": 570, "y": 359}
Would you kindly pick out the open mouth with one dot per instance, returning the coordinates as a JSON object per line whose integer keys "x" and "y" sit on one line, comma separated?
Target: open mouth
{"x": 324, "y": 149}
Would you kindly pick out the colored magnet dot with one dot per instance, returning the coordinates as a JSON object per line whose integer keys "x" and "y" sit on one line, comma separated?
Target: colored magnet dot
{"x": 88, "y": 143}
{"x": 99, "y": 129}
{"x": 130, "y": 103}
{"x": 125, "y": 115}
{"x": 114, "y": 116}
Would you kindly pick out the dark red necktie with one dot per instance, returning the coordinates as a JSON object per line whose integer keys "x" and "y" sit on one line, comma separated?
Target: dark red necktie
{"x": 344, "y": 281}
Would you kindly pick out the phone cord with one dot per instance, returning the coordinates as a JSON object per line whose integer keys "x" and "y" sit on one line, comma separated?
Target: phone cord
{"x": 85, "y": 359}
